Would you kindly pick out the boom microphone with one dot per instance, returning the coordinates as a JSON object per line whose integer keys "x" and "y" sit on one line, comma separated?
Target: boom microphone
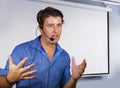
{"x": 52, "y": 39}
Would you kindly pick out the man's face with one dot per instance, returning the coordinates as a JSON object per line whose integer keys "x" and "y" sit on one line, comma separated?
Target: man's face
{"x": 52, "y": 28}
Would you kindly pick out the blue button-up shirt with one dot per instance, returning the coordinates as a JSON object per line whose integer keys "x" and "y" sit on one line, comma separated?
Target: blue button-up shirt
{"x": 50, "y": 74}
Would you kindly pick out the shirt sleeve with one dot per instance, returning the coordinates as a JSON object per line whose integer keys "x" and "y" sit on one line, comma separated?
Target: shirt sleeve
{"x": 16, "y": 56}
{"x": 16, "y": 59}
{"x": 3, "y": 72}
{"x": 66, "y": 75}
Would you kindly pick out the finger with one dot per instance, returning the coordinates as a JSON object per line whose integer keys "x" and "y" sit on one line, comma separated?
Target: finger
{"x": 83, "y": 64}
{"x": 84, "y": 60}
{"x": 10, "y": 60}
{"x": 27, "y": 67}
{"x": 29, "y": 73}
{"x": 29, "y": 77}
{"x": 21, "y": 63}
{"x": 73, "y": 61}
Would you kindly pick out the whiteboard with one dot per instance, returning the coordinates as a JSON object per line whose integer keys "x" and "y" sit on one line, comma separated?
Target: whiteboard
{"x": 84, "y": 33}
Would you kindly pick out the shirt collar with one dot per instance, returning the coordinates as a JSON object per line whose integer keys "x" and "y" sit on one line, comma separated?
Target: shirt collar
{"x": 37, "y": 44}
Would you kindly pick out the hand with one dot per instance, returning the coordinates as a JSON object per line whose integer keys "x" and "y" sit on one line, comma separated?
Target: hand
{"x": 17, "y": 72}
{"x": 77, "y": 70}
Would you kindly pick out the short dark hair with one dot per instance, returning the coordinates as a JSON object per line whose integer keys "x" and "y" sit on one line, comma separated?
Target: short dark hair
{"x": 47, "y": 12}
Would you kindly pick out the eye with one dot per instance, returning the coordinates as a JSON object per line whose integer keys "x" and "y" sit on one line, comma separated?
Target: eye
{"x": 59, "y": 25}
{"x": 50, "y": 25}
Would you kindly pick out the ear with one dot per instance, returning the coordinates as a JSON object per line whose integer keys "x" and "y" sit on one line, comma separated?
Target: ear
{"x": 40, "y": 30}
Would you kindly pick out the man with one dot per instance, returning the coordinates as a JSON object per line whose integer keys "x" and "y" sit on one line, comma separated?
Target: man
{"x": 42, "y": 63}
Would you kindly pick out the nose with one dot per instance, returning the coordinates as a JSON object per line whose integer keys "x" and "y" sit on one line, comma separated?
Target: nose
{"x": 55, "y": 29}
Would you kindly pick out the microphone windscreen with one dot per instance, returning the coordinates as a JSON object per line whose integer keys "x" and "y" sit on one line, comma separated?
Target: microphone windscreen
{"x": 52, "y": 39}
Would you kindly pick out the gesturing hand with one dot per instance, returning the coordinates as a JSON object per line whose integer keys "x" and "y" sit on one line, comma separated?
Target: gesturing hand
{"x": 18, "y": 72}
{"x": 77, "y": 70}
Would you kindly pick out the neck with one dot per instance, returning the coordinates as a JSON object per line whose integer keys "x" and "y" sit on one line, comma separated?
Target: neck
{"x": 48, "y": 47}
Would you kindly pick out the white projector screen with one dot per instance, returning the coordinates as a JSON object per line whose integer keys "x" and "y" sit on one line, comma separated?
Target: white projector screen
{"x": 84, "y": 34}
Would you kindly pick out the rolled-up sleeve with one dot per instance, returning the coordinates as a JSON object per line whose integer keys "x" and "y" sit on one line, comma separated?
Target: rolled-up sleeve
{"x": 3, "y": 72}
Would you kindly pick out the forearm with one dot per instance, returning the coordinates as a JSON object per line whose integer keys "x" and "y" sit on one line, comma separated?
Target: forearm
{"x": 4, "y": 83}
{"x": 71, "y": 83}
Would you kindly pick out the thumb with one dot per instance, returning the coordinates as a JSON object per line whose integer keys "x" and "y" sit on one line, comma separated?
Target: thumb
{"x": 73, "y": 61}
{"x": 10, "y": 60}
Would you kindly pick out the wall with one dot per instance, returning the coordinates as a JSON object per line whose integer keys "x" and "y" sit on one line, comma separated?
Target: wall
{"x": 10, "y": 8}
